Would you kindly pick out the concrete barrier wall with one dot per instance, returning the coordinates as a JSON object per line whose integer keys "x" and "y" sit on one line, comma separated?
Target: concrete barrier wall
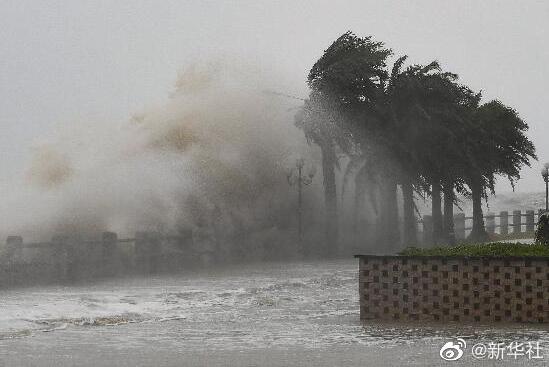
{"x": 68, "y": 259}
{"x": 454, "y": 289}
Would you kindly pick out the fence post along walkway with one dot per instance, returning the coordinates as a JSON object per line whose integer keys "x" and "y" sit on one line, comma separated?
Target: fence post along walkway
{"x": 530, "y": 214}
{"x": 147, "y": 251}
{"x": 459, "y": 226}
{"x": 14, "y": 247}
{"x": 517, "y": 221}
{"x": 504, "y": 222}
{"x": 109, "y": 255}
{"x": 496, "y": 225}
{"x": 67, "y": 258}
{"x": 427, "y": 229}
{"x": 490, "y": 223}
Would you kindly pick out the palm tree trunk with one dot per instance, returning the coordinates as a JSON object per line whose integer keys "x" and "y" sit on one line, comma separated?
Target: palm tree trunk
{"x": 449, "y": 198}
{"x": 436, "y": 211}
{"x": 410, "y": 228}
{"x": 360, "y": 201}
{"x": 388, "y": 233}
{"x": 478, "y": 233}
{"x": 330, "y": 199}
{"x": 393, "y": 231}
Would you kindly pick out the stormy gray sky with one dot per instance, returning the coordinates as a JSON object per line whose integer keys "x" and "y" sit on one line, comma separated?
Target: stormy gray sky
{"x": 62, "y": 62}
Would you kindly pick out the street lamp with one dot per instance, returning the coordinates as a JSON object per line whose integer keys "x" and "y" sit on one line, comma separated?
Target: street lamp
{"x": 295, "y": 176}
{"x": 545, "y": 175}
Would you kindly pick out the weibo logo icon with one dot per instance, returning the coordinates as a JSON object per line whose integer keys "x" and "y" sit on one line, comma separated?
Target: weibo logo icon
{"x": 452, "y": 351}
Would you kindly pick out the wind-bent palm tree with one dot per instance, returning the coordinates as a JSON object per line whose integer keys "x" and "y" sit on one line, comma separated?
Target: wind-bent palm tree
{"x": 345, "y": 83}
{"x": 498, "y": 145}
{"x": 428, "y": 108}
{"x": 416, "y": 127}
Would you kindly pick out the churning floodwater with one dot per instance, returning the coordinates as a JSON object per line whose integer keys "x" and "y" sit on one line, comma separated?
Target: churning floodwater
{"x": 298, "y": 313}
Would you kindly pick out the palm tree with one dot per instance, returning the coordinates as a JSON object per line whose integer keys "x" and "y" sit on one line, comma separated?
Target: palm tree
{"x": 498, "y": 146}
{"x": 416, "y": 127}
{"x": 427, "y": 106}
{"x": 406, "y": 114}
{"x": 345, "y": 83}
{"x": 447, "y": 104}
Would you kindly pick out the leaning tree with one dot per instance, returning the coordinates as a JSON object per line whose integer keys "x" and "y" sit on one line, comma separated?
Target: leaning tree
{"x": 497, "y": 145}
{"x": 345, "y": 84}
{"x": 416, "y": 127}
{"x": 429, "y": 110}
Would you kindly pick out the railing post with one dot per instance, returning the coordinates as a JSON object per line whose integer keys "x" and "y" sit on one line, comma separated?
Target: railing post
{"x": 504, "y": 222}
{"x": 530, "y": 221}
{"x": 13, "y": 246}
{"x": 427, "y": 229}
{"x": 147, "y": 251}
{"x": 13, "y": 254}
{"x": 459, "y": 226}
{"x": 517, "y": 221}
{"x": 490, "y": 223}
{"x": 141, "y": 250}
{"x": 60, "y": 257}
{"x": 109, "y": 241}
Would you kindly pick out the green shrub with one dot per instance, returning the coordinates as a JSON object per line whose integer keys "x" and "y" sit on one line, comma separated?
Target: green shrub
{"x": 483, "y": 249}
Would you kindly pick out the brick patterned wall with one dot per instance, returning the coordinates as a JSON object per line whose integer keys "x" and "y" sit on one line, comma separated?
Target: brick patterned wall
{"x": 476, "y": 289}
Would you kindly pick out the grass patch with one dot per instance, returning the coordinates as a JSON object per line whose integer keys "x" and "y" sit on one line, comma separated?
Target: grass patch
{"x": 481, "y": 249}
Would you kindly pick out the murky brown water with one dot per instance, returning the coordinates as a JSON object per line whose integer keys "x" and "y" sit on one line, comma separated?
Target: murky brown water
{"x": 270, "y": 314}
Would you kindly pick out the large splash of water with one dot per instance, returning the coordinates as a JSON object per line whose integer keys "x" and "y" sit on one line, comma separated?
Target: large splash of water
{"x": 217, "y": 150}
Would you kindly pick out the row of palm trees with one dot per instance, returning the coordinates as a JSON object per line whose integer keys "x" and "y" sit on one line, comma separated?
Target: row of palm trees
{"x": 415, "y": 127}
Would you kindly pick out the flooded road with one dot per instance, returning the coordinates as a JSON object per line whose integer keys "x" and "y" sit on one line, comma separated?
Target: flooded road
{"x": 277, "y": 314}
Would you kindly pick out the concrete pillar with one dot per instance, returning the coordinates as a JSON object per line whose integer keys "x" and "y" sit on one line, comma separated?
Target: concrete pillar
{"x": 14, "y": 246}
{"x": 109, "y": 241}
{"x": 490, "y": 223}
{"x": 185, "y": 239}
{"x": 517, "y": 221}
{"x": 147, "y": 251}
{"x": 459, "y": 226}
{"x": 60, "y": 257}
{"x": 504, "y": 222}
{"x": 530, "y": 221}
{"x": 141, "y": 251}
{"x": 427, "y": 229}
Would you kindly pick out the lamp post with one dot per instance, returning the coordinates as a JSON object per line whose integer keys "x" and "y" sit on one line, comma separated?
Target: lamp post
{"x": 295, "y": 176}
{"x": 545, "y": 175}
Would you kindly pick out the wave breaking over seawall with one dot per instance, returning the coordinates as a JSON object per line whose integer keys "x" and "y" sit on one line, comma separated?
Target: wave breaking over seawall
{"x": 217, "y": 151}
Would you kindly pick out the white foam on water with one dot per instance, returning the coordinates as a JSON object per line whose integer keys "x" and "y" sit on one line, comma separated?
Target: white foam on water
{"x": 271, "y": 305}
{"x": 276, "y": 295}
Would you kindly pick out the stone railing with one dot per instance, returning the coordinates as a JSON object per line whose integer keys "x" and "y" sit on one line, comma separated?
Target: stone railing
{"x": 458, "y": 289}
{"x": 68, "y": 259}
{"x": 521, "y": 223}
